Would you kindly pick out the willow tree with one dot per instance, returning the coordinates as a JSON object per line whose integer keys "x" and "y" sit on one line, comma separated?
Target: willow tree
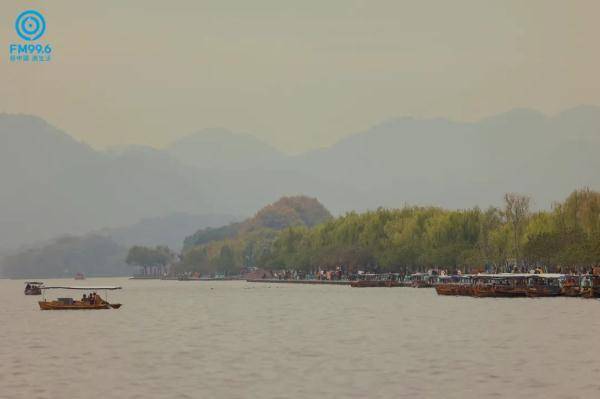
{"x": 516, "y": 210}
{"x": 149, "y": 258}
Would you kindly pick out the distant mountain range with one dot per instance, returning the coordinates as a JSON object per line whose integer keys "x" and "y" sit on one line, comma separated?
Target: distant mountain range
{"x": 168, "y": 230}
{"x": 90, "y": 254}
{"x": 53, "y": 184}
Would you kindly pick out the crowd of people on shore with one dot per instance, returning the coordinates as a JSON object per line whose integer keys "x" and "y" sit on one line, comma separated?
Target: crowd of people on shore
{"x": 343, "y": 273}
{"x": 339, "y": 273}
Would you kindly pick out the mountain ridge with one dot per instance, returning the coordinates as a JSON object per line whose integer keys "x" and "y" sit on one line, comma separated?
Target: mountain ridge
{"x": 55, "y": 185}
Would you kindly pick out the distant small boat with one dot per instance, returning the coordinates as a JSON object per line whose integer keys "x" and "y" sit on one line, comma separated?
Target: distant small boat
{"x": 79, "y": 276}
{"x": 33, "y": 288}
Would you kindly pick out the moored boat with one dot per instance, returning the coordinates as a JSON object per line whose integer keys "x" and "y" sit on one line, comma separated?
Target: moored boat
{"x": 454, "y": 285}
{"x": 79, "y": 276}
{"x": 376, "y": 280}
{"x": 447, "y": 289}
{"x": 520, "y": 285}
{"x": 570, "y": 285}
{"x": 544, "y": 285}
{"x": 422, "y": 280}
{"x": 500, "y": 285}
{"x": 590, "y": 286}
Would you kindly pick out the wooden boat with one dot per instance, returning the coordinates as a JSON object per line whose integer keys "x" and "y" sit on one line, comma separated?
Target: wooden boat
{"x": 544, "y": 285}
{"x": 509, "y": 288}
{"x": 84, "y": 304}
{"x": 500, "y": 285}
{"x": 482, "y": 290}
{"x": 447, "y": 289}
{"x": 33, "y": 288}
{"x": 406, "y": 282}
{"x": 466, "y": 289}
{"x": 422, "y": 284}
{"x": 590, "y": 286}
{"x": 70, "y": 304}
{"x": 454, "y": 285}
{"x": 570, "y": 286}
{"x": 520, "y": 285}
{"x": 376, "y": 280}
{"x": 422, "y": 280}
{"x": 447, "y": 285}
{"x": 373, "y": 283}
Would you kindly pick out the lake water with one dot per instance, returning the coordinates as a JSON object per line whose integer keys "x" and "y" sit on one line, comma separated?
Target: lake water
{"x": 186, "y": 339}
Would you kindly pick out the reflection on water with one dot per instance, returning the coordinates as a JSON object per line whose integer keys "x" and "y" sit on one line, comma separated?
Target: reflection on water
{"x": 176, "y": 339}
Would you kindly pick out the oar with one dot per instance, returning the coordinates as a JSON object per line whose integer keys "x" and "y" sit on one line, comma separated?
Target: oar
{"x": 112, "y": 305}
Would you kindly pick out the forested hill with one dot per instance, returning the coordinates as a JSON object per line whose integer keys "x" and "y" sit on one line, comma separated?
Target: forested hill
{"x": 286, "y": 212}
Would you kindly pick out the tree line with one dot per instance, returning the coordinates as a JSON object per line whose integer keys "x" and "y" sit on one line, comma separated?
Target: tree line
{"x": 415, "y": 238}
{"x": 419, "y": 238}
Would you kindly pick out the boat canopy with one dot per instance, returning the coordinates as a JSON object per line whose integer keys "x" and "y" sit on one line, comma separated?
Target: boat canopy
{"x": 95, "y": 288}
{"x": 34, "y": 282}
{"x": 549, "y": 275}
{"x": 520, "y": 275}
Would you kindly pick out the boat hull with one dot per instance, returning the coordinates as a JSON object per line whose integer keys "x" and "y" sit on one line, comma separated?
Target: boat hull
{"x": 588, "y": 292}
{"x": 374, "y": 283}
{"x": 571, "y": 291}
{"x": 454, "y": 289}
{"x": 490, "y": 291}
{"x": 509, "y": 292}
{"x": 535, "y": 292}
{"x": 482, "y": 291}
{"x": 447, "y": 289}
{"x": 422, "y": 284}
{"x": 55, "y": 305}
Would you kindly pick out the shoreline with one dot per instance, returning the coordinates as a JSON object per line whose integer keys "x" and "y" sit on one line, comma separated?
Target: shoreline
{"x": 276, "y": 281}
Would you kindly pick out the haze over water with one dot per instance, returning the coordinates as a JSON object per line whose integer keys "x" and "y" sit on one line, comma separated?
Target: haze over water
{"x": 243, "y": 340}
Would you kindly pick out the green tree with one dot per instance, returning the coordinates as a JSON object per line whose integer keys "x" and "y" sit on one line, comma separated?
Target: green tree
{"x": 516, "y": 210}
{"x": 151, "y": 260}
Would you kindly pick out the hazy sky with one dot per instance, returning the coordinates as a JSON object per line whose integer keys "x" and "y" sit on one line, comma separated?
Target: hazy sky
{"x": 297, "y": 74}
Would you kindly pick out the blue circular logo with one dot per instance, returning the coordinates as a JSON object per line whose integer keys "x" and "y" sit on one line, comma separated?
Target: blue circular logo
{"x": 30, "y": 25}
